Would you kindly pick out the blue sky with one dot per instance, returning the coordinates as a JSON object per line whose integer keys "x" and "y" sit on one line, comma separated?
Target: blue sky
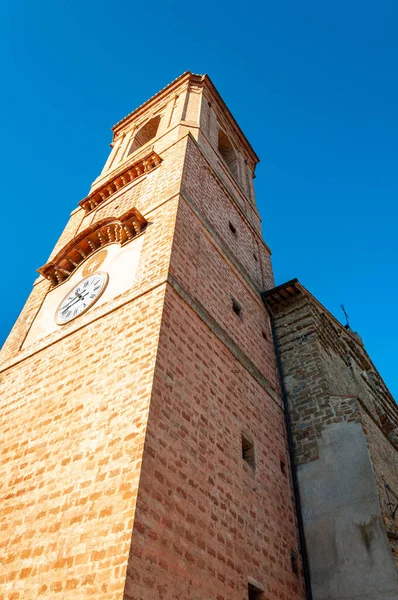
{"x": 312, "y": 84}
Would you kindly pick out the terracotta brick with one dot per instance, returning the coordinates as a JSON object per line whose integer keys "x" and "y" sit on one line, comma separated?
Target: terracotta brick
{"x": 121, "y": 459}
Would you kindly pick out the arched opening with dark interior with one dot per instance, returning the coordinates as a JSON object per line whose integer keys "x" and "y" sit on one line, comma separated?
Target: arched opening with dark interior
{"x": 145, "y": 134}
{"x": 228, "y": 153}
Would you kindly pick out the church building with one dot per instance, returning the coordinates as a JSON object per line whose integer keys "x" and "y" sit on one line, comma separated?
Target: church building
{"x": 173, "y": 425}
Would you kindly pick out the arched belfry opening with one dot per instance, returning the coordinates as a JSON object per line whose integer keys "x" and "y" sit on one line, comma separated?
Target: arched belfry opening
{"x": 145, "y": 134}
{"x": 228, "y": 153}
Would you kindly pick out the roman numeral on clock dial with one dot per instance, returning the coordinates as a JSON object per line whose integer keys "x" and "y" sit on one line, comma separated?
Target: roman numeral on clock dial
{"x": 81, "y": 297}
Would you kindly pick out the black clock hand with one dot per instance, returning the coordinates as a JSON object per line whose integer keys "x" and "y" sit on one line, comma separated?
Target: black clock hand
{"x": 72, "y": 302}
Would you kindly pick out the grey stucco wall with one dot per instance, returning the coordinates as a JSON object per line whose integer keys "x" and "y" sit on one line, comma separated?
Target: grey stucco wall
{"x": 349, "y": 554}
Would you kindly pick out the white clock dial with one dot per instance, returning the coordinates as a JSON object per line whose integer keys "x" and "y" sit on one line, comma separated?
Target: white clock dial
{"x": 81, "y": 297}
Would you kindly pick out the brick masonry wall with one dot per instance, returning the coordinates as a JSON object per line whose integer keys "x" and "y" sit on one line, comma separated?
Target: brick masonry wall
{"x": 73, "y": 424}
{"x": 203, "y": 189}
{"x": 304, "y": 376}
{"x": 76, "y": 408}
{"x": 205, "y": 273}
{"x": 206, "y": 520}
{"x": 73, "y": 421}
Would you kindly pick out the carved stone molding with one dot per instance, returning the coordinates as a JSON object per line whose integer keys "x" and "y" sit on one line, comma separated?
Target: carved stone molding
{"x": 141, "y": 163}
{"x": 106, "y": 231}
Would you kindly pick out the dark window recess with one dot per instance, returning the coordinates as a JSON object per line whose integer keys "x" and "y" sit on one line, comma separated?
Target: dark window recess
{"x": 232, "y": 228}
{"x": 264, "y": 335}
{"x": 255, "y": 257}
{"x": 283, "y": 467}
{"x": 255, "y": 593}
{"x": 294, "y": 559}
{"x": 248, "y": 451}
{"x": 236, "y": 307}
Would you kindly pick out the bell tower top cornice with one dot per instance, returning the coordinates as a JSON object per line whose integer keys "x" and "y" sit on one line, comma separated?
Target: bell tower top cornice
{"x": 191, "y": 105}
{"x": 193, "y": 82}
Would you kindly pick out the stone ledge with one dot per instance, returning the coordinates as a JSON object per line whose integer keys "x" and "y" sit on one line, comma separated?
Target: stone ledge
{"x": 139, "y": 165}
{"x": 106, "y": 231}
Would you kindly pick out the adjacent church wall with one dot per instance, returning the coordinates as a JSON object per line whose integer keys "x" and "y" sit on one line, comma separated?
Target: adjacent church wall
{"x": 350, "y": 371}
{"x": 341, "y": 449}
{"x": 384, "y": 457}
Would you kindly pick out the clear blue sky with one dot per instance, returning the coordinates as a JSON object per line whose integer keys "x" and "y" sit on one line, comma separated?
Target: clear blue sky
{"x": 313, "y": 85}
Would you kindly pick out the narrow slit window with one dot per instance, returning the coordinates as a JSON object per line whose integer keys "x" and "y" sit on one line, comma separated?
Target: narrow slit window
{"x": 232, "y": 228}
{"x": 294, "y": 559}
{"x": 255, "y": 593}
{"x": 236, "y": 307}
{"x": 283, "y": 467}
{"x": 248, "y": 451}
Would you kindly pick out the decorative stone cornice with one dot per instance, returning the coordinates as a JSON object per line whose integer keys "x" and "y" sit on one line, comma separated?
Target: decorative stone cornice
{"x": 107, "y": 231}
{"x": 141, "y": 163}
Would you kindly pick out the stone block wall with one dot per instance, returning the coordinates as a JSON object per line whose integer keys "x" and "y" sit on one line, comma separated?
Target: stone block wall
{"x": 344, "y": 424}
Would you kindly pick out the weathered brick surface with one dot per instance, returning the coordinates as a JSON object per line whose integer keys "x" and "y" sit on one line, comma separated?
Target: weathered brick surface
{"x": 202, "y": 187}
{"x": 14, "y": 341}
{"x": 206, "y": 520}
{"x": 205, "y": 272}
{"x": 73, "y": 431}
{"x": 100, "y": 414}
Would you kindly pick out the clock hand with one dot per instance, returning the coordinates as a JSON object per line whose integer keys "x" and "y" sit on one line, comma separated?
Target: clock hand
{"x": 79, "y": 297}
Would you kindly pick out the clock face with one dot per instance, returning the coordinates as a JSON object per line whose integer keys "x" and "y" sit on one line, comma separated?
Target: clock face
{"x": 81, "y": 297}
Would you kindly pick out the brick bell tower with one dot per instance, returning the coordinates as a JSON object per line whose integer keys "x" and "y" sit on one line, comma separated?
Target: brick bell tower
{"x": 143, "y": 440}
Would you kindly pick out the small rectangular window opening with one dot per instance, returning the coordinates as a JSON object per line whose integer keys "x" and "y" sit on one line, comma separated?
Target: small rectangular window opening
{"x": 232, "y": 228}
{"x": 294, "y": 559}
{"x": 283, "y": 467}
{"x": 236, "y": 307}
{"x": 248, "y": 451}
{"x": 254, "y": 593}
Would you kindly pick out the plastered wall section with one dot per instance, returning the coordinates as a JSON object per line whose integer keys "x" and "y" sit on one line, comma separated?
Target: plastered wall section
{"x": 206, "y": 520}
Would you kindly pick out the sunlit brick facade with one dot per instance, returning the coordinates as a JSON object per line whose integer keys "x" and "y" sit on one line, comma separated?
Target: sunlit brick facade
{"x": 122, "y": 467}
{"x": 174, "y": 426}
